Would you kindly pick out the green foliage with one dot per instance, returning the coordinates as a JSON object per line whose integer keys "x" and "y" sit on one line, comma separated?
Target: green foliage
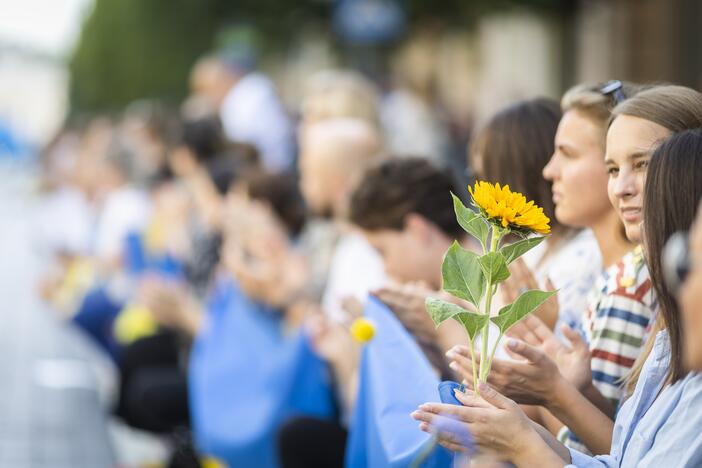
{"x": 470, "y": 221}
{"x": 462, "y": 274}
{"x": 525, "y": 304}
{"x": 132, "y": 49}
{"x": 441, "y": 311}
{"x": 513, "y": 251}
{"x": 494, "y": 267}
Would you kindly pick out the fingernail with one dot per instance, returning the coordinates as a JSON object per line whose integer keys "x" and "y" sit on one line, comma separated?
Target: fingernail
{"x": 451, "y": 353}
{"x": 424, "y": 407}
{"x": 453, "y": 365}
{"x": 485, "y": 389}
{"x": 513, "y": 344}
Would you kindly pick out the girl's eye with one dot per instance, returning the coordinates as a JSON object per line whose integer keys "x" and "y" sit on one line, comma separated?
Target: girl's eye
{"x": 641, "y": 165}
{"x": 612, "y": 171}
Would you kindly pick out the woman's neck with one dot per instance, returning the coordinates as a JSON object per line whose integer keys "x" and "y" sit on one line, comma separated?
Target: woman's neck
{"x": 610, "y": 239}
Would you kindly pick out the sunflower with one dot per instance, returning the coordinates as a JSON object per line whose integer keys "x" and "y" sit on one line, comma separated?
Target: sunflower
{"x": 509, "y": 209}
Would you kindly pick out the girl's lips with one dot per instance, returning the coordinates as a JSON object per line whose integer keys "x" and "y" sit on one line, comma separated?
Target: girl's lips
{"x": 630, "y": 215}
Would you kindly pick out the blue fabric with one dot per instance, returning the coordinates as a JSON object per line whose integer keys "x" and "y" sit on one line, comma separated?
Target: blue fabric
{"x": 138, "y": 261}
{"x": 394, "y": 378}
{"x": 655, "y": 428}
{"x": 247, "y": 378}
{"x": 96, "y": 315}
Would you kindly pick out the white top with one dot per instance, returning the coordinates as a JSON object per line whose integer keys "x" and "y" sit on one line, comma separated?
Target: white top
{"x": 572, "y": 269}
{"x": 356, "y": 268}
{"x": 65, "y": 222}
{"x": 252, "y": 113}
{"x": 124, "y": 211}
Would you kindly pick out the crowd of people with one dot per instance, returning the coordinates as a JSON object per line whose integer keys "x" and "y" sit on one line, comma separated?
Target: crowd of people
{"x": 221, "y": 256}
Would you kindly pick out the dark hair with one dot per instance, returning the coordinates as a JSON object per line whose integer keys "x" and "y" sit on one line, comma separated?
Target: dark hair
{"x": 281, "y": 192}
{"x": 515, "y": 145}
{"x": 671, "y": 195}
{"x": 391, "y": 190}
{"x": 204, "y": 137}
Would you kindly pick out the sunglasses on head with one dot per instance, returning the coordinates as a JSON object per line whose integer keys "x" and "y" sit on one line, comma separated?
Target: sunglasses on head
{"x": 614, "y": 88}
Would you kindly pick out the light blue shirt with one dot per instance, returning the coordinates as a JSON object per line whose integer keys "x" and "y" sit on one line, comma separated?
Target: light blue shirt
{"x": 655, "y": 428}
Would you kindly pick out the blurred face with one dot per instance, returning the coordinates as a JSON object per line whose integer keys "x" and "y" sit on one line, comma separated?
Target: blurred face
{"x": 317, "y": 179}
{"x": 630, "y": 143}
{"x": 424, "y": 262}
{"x": 691, "y": 299}
{"x": 577, "y": 172}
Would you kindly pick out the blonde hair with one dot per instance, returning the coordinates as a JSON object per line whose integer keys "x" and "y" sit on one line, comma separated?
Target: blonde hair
{"x": 340, "y": 94}
{"x": 588, "y": 100}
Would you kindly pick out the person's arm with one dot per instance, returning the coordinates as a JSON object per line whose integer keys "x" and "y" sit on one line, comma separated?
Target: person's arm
{"x": 543, "y": 451}
{"x": 592, "y": 426}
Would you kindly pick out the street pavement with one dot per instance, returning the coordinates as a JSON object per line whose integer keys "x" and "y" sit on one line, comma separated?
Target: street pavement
{"x": 52, "y": 380}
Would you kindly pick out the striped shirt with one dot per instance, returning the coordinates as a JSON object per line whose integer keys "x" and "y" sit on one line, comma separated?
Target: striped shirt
{"x": 619, "y": 317}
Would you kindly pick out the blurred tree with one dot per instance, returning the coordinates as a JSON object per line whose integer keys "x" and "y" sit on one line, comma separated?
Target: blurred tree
{"x": 132, "y": 49}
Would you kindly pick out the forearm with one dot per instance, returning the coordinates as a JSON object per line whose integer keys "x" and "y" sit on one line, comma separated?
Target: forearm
{"x": 593, "y": 427}
{"x": 597, "y": 399}
{"x": 542, "y": 451}
{"x": 346, "y": 378}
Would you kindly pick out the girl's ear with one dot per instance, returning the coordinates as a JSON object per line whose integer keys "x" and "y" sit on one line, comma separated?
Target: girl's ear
{"x": 419, "y": 226}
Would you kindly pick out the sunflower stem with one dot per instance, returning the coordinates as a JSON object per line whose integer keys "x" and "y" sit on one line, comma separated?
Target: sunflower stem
{"x": 485, "y": 359}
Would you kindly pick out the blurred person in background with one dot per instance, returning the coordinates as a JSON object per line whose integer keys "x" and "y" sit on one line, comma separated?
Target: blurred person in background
{"x": 247, "y": 104}
{"x": 339, "y": 93}
{"x": 411, "y": 118}
{"x": 149, "y": 128}
{"x": 405, "y": 210}
{"x": 334, "y": 154}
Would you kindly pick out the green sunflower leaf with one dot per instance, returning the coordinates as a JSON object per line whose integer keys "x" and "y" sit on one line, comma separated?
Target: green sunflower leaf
{"x": 462, "y": 274}
{"x": 470, "y": 221}
{"x": 494, "y": 267}
{"x": 515, "y": 250}
{"x": 441, "y": 311}
{"x": 525, "y": 304}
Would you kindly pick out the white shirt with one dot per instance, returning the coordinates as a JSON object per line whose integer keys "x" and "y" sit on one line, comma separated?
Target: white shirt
{"x": 124, "y": 211}
{"x": 65, "y": 222}
{"x": 356, "y": 268}
{"x": 572, "y": 269}
{"x": 252, "y": 113}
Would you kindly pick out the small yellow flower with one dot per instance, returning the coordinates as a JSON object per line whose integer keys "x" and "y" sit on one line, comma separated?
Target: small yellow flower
{"x": 509, "y": 208}
{"x": 362, "y": 330}
{"x": 133, "y": 323}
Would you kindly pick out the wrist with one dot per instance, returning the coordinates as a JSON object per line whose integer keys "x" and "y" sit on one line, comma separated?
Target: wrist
{"x": 559, "y": 395}
{"x": 529, "y": 449}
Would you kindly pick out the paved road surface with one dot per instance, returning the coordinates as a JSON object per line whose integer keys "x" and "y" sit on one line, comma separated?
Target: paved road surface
{"x": 50, "y": 410}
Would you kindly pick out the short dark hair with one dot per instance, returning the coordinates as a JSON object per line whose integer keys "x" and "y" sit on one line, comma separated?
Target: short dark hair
{"x": 671, "y": 195}
{"x": 281, "y": 192}
{"x": 394, "y": 188}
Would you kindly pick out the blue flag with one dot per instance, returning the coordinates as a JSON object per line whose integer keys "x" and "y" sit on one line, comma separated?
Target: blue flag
{"x": 394, "y": 378}
{"x": 247, "y": 378}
